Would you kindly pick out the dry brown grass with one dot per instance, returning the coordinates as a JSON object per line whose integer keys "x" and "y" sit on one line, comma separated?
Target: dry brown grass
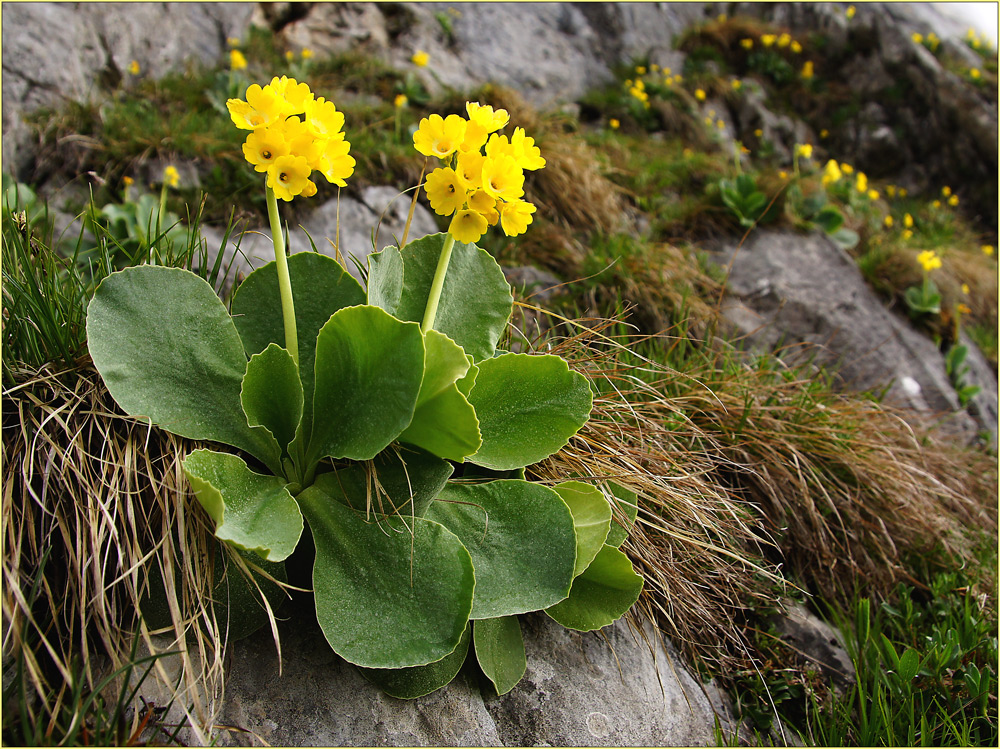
{"x": 105, "y": 498}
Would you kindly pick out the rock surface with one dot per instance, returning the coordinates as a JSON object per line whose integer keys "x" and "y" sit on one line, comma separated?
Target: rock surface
{"x": 787, "y": 289}
{"x": 573, "y": 694}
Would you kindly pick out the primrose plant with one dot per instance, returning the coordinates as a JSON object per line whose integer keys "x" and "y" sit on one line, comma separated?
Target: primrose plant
{"x": 383, "y": 419}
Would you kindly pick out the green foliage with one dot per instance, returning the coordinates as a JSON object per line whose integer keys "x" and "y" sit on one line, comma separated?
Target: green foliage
{"x": 355, "y": 437}
{"x": 743, "y": 198}
{"x": 956, "y": 368}
{"x": 924, "y": 299}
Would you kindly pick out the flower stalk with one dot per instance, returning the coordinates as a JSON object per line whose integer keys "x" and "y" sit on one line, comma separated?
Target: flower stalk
{"x": 434, "y": 297}
{"x": 284, "y": 282}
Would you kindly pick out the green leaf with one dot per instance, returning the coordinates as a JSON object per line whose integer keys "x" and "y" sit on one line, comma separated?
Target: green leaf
{"x": 272, "y": 394}
{"x": 521, "y": 539}
{"x": 388, "y": 594}
{"x": 475, "y": 299}
{"x": 829, "y": 219}
{"x": 385, "y": 279}
{"x": 500, "y": 651}
{"x": 625, "y": 509}
{"x": 591, "y": 518}
{"x": 444, "y": 422}
{"x": 252, "y": 511}
{"x": 602, "y": 594}
{"x": 368, "y": 371}
{"x": 909, "y": 664}
{"x": 845, "y": 238}
{"x": 528, "y": 408}
{"x": 168, "y": 351}
{"x": 400, "y": 480}
{"x": 320, "y": 287}
{"x": 417, "y": 681}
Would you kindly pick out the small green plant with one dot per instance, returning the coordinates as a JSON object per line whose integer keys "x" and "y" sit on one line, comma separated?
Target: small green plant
{"x": 356, "y": 407}
{"x": 743, "y": 198}
{"x": 924, "y": 299}
{"x": 957, "y": 369}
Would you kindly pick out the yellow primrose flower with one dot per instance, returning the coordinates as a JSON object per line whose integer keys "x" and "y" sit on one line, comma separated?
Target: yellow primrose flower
{"x": 400, "y": 101}
{"x": 970, "y": 34}
{"x": 929, "y": 260}
{"x": 323, "y": 119}
{"x": 890, "y": 190}
{"x": 721, "y": 125}
{"x": 336, "y": 164}
{"x": 862, "y": 182}
{"x": 470, "y": 168}
{"x": 708, "y": 121}
{"x": 128, "y": 181}
{"x": 907, "y": 233}
{"x": 746, "y": 43}
{"x": 737, "y": 84}
{"x": 796, "y": 47}
{"x": 446, "y": 191}
{"x": 873, "y": 194}
{"x": 974, "y": 73}
{"x": 678, "y": 78}
{"x": 824, "y": 133}
{"x": 807, "y": 69}
{"x": 888, "y": 222}
{"x": 485, "y": 116}
{"x": 528, "y": 155}
{"x": 439, "y": 136}
{"x": 515, "y": 216}
{"x": 302, "y": 141}
{"x": 483, "y": 204}
{"x": 917, "y": 38}
{"x": 502, "y": 177}
{"x": 721, "y": 18}
{"x": 468, "y": 226}
{"x": 296, "y": 94}
{"x": 171, "y": 177}
{"x": 784, "y": 40}
{"x": 946, "y": 191}
{"x": 263, "y": 107}
{"x": 666, "y": 71}
{"x": 831, "y": 172}
{"x": 953, "y": 200}
{"x": 936, "y": 204}
{"x": 640, "y": 70}
{"x": 768, "y": 39}
{"x": 964, "y": 308}
{"x": 614, "y": 124}
{"x": 289, "y": 55}
{"x": 965, "y": 289}
{"x": 902, "y": 192}
{"x": 288, "y": 176}
{"x": 783, "y": 174}
{"x": 420, "y": 58}
{"x": 699, "y": 94}
{"x": 307, "y": 53}
{"x": 264, "y": 146}
{"x": 759, "y": 133}
{"x": 987, "y": 249}
{"x": 133, "y": 67}
{"x": 846, "y": 168}
{"x": 908, "y": 221}
{"x": 851, "y": 10}
{"x": 237, "y": 61}
{"x": 654, "y": 68}
{"x": 233, "y": 41}
{"x": 805, "y": 150}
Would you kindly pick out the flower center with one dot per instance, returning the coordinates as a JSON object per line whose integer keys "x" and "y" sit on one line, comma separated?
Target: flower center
{"x": 283, "y": 177}
{"x": 266, "y": 154}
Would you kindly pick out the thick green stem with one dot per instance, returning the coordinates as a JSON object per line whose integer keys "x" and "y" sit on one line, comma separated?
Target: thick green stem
{"x": 430, "y": 312}
{"x": 284, "y": 283}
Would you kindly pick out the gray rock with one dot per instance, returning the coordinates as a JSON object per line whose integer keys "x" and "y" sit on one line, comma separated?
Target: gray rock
{"x": 58, "y": 52}
{"x": 573, "y": 694}
{"x": 816, "y": 643}
{"x": 788, "y": 289}
{"x": 373, "y": 220}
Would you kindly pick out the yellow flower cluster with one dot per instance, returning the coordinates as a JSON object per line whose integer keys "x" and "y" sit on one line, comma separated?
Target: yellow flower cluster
{"x": 929, "y": 260}
{"x": 293, "y": 134}
{"x": 482, "y": 182}
{"x": 831, "y": 173}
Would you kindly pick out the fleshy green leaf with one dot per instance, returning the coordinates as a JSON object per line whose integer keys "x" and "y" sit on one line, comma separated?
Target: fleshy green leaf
{"x": 320, "y": 287}
{"x": 528, "y": 408}
{"x": 602, "y": 594}
{"x": 272, "y": 394}
{"x": 388, "y": 594}
{"x": 626, "y": 510}
{"x": 369, "y": 366}
{"x": 252, "y": 511}
{"x": 591, "y": 517}
{"x": 475, "y": 300}
{"x": 416, "y": 681}
{"x": 521, "y": 539}
{"x": 400, "y": 480}
{"x": 444, "y": 422}
{"x": 500, "y": 651}
{"x": 385, "y": 279}
{"x": 168, "y": 351}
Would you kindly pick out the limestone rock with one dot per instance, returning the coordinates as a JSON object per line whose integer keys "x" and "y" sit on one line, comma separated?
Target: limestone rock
{"x": 573, "y": 694}
{"x": 789, "y": 289}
